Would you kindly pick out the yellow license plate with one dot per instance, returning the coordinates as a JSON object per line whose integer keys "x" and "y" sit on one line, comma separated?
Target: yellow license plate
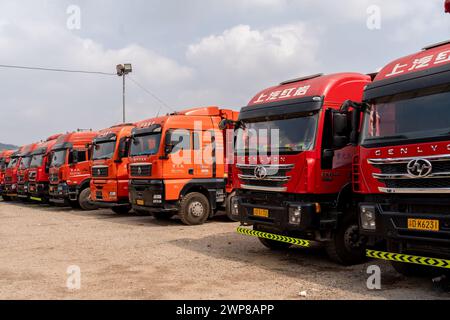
{"x": 423, "y": 224}
{"x": 140, "y": 202}
{"x": 264, "y": 213}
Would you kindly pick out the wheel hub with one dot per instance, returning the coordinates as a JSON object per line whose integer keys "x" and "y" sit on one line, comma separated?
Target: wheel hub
{"x": 196, "y": 209}
{"x": 352, "y": 238}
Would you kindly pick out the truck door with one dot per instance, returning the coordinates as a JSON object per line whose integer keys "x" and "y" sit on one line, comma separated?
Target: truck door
{"x": 179, "y": 163}
{"x": 204, "y": 160}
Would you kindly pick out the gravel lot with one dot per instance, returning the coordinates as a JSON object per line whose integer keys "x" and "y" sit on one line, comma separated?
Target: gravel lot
{"x": 137, "y": 257}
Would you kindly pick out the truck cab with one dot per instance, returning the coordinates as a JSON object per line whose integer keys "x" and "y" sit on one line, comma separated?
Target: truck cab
{"x": 293, "y": 166}
{"x": 109, "y": 184}
{"x": 5, "y": 157}
{"x": 22, "y": 173}
{"x": 38, "y": 174}
{"x": 70, "y": 170}
{"x": 402, "y": 171}
{"x": 10, "y": 191}
{"x": 178, "y": 164}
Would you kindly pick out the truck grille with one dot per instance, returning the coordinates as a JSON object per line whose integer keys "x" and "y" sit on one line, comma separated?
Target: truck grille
{"x": 100, "y": 171}
{"x": 53, "y": 178}
{"x": 8, "y": 179}
{"x": 141, "y": 170}
{"x": 399, "y": 179}
{"x": 264, "y": 177}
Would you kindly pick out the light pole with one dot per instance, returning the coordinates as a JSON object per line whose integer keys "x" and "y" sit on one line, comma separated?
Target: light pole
{"x": 122, "y": 71}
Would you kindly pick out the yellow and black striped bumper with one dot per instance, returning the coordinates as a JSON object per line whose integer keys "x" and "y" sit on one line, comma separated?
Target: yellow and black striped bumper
{"x": 406, "y": 258}
{"x": 275, "y": 237}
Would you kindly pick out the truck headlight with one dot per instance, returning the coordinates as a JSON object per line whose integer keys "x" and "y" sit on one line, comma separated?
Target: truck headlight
{"x": 368, "y": 217}
{"x": 234, "y": 206}
{"x": 295, "y": 215}
{"x": 14, "y": 186}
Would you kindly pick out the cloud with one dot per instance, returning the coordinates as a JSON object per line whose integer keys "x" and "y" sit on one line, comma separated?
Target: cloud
{"x": 242, "y": 60}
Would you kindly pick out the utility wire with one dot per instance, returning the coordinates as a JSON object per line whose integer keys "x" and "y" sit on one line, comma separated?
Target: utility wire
{"x": 57, "y": 70}
{"x": 162, "y": 103}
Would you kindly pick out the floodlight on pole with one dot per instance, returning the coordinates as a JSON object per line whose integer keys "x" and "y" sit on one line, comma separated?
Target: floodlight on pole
{"x": 122, "y": 71}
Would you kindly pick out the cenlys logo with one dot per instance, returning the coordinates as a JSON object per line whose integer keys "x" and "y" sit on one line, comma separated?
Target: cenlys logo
{"x": 411, "y": 150}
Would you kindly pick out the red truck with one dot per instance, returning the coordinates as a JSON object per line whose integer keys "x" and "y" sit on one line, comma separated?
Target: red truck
{"x": 178, "y": 164}
{"x": 38, "y": 173}
{"x": 5, "y": 156}
{"x": 109, "y": 184}
{"x": 11, "y": 172}
{"x": 70, "y": 170}
{"x": 294, "y": 164}
{"x": 22, "y": 173}
{"x": 402, "y": 171}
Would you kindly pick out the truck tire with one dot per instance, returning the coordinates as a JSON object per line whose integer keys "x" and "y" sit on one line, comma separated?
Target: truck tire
{"x": 194, "y": 209}
{"x": 272, "y": 244}
{"x": 121, "y": 209}
{"x": 347, "y": 246}
{"x": 406, "y": 269}
{"x": 6, "y": 199}
{"x": 84, "y": 200}
{"x": 162, "y": 215}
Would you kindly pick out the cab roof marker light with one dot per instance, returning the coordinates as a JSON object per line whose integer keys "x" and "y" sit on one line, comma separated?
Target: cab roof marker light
{"x": 301, "y": 79}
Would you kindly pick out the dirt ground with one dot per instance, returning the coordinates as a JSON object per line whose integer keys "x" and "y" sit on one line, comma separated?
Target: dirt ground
{"x": 138, "y": 257}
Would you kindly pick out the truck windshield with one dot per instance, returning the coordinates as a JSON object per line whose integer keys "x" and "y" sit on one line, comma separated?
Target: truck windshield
{"x": 104, "y": 150}
{"x": 25, "y": 162}
{"x": 13, "y": 162}
{"x": 419, "y": 115}
{"x": 58, "y": 158}
{"x": 145, "y": 144}
{"x": 37, "y": 160}
{"x": 282, "y": 136}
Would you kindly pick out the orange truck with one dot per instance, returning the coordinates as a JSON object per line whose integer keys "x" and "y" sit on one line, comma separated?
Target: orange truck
{"x": 5, "y": 157}
{"x": 38, "y": 173}
{"x": 178, "y": 164}
{"x": 22, "y": 172}
{"x": 109, "y": 184}
{"x": 70, "y": 170}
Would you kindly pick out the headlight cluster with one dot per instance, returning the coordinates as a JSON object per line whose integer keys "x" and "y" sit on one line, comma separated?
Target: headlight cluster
{"x": 368, "y": 217}
{"x": 235, "y": 206}
{"x": 295, "y": 215}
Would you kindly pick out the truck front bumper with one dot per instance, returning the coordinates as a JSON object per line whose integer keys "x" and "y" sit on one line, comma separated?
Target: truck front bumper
{"x": 282, "y": 213}
{"x": 106, "y": 194}
{"x": 407, "y": 227}
{"x": 38, "y": 191}
{"x": 22, "y": 190}
{"x": 62, "y": 193}
{"x": 10, "y": 190}
{"x": 149, "y": 195}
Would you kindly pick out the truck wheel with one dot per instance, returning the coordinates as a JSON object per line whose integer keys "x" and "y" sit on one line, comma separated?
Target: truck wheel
{"x": 194, "y": 209}
{"x": 84, "y": 200}
{"x": 406, "y": 269}
{"x": 121, "y": 209}
{"x": 272, "y": 244}
{"x": 347, "y": 246}
{"x": 6, "y": 198}
{"x": 162, "y": 215}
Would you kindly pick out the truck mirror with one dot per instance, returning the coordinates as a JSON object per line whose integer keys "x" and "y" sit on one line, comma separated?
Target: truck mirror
{"x": 223, "y": 124}
{"x": 340, "y": 123}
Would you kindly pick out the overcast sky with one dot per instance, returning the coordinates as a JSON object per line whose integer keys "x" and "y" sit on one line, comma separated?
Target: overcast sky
{"x": 188, "y": 52}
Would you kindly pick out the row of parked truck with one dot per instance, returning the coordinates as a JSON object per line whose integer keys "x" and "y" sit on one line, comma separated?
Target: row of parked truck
{"x": 348, "y": 159}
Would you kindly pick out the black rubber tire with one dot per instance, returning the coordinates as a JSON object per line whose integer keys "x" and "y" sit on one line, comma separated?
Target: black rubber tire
{"x": 201, "y": 202}
{"x": 6, "y": 199}
{"x": 228, "y": 207}
{"x": 406, "y": 269}
{"x": 121, "y": 209}
{"x": 162, "y": 215}
{"x": 84, "y": 200}
{"x": 339, "y": 250}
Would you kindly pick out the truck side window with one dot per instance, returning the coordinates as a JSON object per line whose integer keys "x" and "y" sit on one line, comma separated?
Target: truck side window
{"x": 180, "y": 139}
